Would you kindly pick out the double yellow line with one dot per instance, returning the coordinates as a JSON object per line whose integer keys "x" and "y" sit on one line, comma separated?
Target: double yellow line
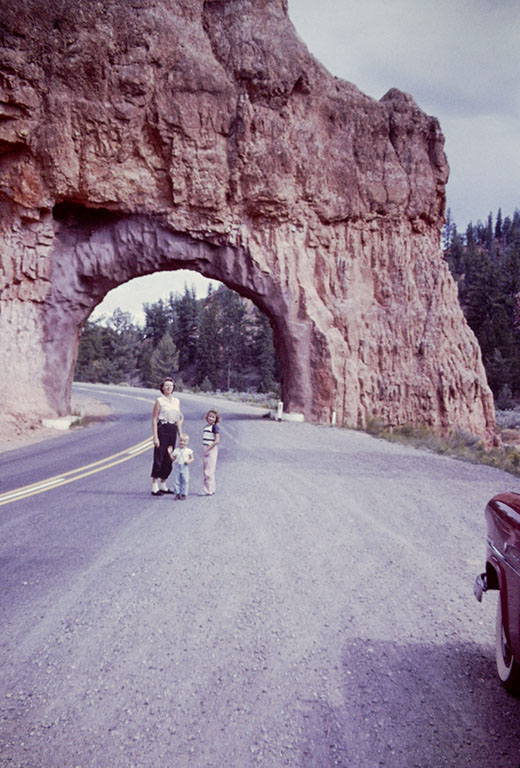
{"x": 75, "y": 474}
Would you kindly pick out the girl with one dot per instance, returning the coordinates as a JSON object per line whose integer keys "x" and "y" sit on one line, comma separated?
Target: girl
{"x": 210, "y": 441}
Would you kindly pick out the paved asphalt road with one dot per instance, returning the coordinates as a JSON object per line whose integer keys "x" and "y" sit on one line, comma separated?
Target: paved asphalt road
{"x": 317, "y": 611}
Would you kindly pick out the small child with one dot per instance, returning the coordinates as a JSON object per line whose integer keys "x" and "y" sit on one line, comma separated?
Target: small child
{"x": 210, "y": 441}
{"x": 181, "y": 457}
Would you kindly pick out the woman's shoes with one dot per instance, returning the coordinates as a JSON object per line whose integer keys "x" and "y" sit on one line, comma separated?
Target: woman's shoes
{"x": 157, "y": 493}
{"x": 166, "y": 491}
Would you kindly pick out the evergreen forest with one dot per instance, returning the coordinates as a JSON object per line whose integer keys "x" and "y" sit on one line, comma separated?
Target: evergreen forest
{"x": 485, "y": 262}
{"x": 222, "y": 342}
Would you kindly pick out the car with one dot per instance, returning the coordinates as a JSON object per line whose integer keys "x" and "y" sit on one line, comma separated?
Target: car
{"x": 502, "y": 572}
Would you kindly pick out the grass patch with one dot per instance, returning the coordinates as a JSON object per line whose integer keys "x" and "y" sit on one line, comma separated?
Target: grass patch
{"x": 260, "y": 399}
{"x": 458, "y": 444}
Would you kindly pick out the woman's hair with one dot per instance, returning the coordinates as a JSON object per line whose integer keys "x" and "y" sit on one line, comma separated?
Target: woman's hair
{"x": 163, "y": 382}
{"x": 217, "y": 415}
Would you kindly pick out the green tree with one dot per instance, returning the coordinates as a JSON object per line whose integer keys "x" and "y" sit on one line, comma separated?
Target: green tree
{"x": 498, "y": 225}
{"x": 267, "y": 361}
{"x": 187, "y": 314}
{"x": 124, "y": 346}
{"x": 109, "y": 352}
{"x": 90, "y": 351}
{"x": 208, "y": 338}
{"x": 165, "y": 359}
{"x": 448, "y": 231}
{"x": 232, "y": 338}
{"x": 145, "y": 364}
{"x": 157, "y": 321}
{"x": 486, "y": 265}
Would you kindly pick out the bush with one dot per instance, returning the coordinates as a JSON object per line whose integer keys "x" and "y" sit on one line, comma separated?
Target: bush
{"x": 505, "y": 397}
{"x": 459, "y": 444}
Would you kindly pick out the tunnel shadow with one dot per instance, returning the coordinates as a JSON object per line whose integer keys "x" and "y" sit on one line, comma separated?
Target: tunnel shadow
{"x": 421, "y": 705}
{"x": 232, "y": 416}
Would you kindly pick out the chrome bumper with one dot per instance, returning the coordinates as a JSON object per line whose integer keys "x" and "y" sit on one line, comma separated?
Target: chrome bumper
{"x": 480, "y": 586}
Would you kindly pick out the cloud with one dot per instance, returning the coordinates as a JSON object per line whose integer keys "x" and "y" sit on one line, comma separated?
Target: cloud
{"x": 148, "y": 289}
{"x": 459, "y": 57}
{"x": 485, "y": 174}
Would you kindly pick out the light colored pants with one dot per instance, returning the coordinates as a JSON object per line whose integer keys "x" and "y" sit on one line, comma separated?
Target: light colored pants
{"x": 181, "y": 478}
{"x": 209, "y": 464}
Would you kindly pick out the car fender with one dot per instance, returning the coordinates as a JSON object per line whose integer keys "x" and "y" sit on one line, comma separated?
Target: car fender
{"x": 496, "y": 579}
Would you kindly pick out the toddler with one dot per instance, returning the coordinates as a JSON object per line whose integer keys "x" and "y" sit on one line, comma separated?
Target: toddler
{"x": 181, "y": 457}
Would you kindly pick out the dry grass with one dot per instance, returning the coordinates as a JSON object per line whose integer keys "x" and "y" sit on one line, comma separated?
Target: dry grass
{"x": 458, "y": 444}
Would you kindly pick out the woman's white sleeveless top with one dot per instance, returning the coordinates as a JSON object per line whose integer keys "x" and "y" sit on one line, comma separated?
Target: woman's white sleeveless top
{"x": 169, "y": 409}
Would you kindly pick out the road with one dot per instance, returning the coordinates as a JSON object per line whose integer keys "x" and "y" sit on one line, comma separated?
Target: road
{"x": 317, "y": 611}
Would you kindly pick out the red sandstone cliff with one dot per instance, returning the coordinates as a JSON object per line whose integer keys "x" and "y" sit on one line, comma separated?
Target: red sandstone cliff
{"x": 138, "y": 135}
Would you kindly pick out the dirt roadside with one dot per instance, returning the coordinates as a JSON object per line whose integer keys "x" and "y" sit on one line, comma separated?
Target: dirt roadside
{"x": 19, "y": 433}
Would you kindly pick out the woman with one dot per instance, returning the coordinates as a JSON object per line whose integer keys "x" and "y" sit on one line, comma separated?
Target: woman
{"x": 166, "y": 423}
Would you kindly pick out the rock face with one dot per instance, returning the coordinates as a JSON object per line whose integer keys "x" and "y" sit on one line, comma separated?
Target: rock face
{"x": 145, "y": 135}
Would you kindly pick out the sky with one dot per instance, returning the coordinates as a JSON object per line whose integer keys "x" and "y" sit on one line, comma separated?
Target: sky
{"x": 459, "y": 59}
{"x": 131, "y": 296}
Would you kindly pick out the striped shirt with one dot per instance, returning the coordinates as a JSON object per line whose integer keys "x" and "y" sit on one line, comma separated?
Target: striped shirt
{"x": 208, "y": 436}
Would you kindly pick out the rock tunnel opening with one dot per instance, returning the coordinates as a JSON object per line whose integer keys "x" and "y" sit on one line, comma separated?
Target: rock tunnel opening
{"x": 181, "y": 324}
{"x": 97, "y": 250}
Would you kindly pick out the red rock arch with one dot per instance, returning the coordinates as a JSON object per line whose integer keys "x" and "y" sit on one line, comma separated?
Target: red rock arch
{"x": 97, "y": 250}
{"x": 137, "y": 137}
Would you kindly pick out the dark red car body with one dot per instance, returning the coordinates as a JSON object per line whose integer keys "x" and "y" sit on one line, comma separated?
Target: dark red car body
{"x": 503, "y": 573}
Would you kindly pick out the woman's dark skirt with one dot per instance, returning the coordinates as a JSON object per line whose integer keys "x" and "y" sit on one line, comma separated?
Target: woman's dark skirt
{"x": 162, "y": 464}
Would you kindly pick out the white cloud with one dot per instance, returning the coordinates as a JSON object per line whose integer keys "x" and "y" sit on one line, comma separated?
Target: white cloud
{"x": 486, "y": 174}
{"x": 131, "y": 296}
{"x": 459, "y": 59}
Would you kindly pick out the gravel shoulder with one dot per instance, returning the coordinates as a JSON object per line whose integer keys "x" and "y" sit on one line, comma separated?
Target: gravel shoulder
{"x": 318, "y": 611}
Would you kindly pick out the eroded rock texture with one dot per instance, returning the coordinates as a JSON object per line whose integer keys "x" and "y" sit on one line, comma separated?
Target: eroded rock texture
{"x": 138, "y": 135}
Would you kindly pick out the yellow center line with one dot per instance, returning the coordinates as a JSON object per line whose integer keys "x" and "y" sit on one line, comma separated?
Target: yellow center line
{"x": 144, "y": 444}
{"x": 5, "y": 497}
{"x": 75, "y": 474}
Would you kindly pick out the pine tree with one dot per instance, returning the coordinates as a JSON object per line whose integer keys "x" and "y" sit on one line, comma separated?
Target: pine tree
{"x": 108, "y": 353}
{"x": 488, "y": 237}
{"x": 90, "y": 350}
{"x": 223, "y": 341}
{"x": 125, "y": 344}
{"x": 207, "y": 357}
{"x": 266, "y": 360}
{"x": 187, "y": 315}
{"x": 447, "y": 231}
{"x": 487, "y": 269}
{"x": 232, "y": 330}
{"x": 165, "y": 359}
{"x": 145, "y": 364}
{"x": 498, "y": 225}
{"x": 157, "y": 321}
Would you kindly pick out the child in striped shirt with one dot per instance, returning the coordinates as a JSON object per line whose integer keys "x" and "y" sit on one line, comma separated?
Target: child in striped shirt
{"x": 210, "y": 441}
